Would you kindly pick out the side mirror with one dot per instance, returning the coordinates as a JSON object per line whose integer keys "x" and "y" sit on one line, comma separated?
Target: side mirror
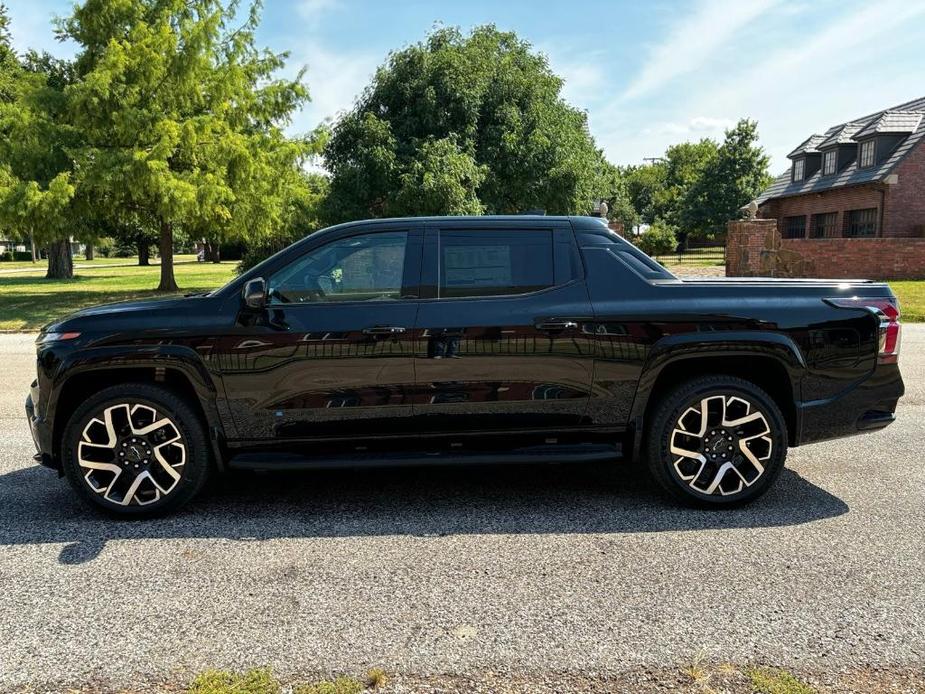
{"x": 255, "y": 293}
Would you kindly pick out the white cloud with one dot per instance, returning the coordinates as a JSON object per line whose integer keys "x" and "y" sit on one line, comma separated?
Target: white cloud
{"x": 693, "y": 40}
{"x": 334, "y": 81}
{"x": 313, "y": 10}
{"x": 808, "y": 86}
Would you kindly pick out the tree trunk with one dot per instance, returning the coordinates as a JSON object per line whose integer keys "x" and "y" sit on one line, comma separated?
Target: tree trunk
{"x": 32, "y": 244}
{"x": 88, "y": 252}
{"x": 144, "y": 253}
{"x": 60, "y": 261}
{"x": 168, "y": 283}
{"x": 213, "y": 252}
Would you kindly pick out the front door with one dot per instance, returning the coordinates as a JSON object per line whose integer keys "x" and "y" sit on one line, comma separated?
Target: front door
{"x": 331, "y": 354}
{"x": 499, "y": 339}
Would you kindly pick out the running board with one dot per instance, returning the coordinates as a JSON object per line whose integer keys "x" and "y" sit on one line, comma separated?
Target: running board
{"x": 581, "y": 453}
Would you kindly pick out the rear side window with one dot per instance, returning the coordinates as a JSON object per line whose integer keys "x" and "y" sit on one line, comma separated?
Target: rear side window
{"x": 477, "y": 263}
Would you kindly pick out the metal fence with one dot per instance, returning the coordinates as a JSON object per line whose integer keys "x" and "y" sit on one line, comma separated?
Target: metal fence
{"x": 696, "y": 255}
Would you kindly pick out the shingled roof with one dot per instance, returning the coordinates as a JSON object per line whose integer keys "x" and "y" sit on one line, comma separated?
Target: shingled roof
{"x": 905, "y": 118}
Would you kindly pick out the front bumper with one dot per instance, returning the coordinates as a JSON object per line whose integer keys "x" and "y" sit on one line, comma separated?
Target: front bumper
{"x": 41, "y": 432}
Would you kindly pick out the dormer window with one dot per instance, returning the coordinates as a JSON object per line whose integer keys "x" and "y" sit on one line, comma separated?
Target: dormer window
{"x": 866, "y": 154}
{"x": 829, "y": 162}
{"x": 799, "y": 168}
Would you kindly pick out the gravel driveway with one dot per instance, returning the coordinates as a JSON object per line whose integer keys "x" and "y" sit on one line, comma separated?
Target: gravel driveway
{"x": 533, "y": 570}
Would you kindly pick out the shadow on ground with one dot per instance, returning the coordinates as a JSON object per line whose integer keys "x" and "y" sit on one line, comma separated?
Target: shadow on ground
{"x": 40, "y": 508}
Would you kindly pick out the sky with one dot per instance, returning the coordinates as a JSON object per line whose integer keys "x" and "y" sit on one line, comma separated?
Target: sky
{"x": 649, "y": 74}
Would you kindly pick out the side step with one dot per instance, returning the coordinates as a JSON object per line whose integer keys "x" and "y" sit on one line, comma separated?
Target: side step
{"x": 579, "y": 453}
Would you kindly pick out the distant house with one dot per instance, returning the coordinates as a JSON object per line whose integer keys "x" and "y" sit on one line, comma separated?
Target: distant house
{"x": 852, "y": 203}
{"x": 862, "y": 178}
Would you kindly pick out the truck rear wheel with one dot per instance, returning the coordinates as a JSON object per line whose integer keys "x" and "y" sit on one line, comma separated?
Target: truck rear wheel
{"x": 717, "y": 441}
{"x": 135, "y": 450}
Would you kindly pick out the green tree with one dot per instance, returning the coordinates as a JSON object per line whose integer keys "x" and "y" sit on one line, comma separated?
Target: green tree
{"x": 734, "y": 177}
{"x": 36, "y": 189}
{"x": 181, "y": 117}
{"x": 459, "y": 124}
{"x": 658, "y": 239}
{"x": 685, "y": 167}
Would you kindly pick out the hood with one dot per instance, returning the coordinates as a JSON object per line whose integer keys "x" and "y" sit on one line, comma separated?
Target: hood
{"x": 140, "y": 314}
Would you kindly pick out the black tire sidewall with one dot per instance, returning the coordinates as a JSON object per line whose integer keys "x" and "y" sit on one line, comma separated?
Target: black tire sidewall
{"x": 193, "y": 474}
{"x": 667, "y": 412}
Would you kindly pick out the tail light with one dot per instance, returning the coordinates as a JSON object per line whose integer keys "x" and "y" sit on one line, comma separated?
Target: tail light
{"x": 887, "y": 311}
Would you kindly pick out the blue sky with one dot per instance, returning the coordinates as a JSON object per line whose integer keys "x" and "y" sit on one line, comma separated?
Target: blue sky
{"x": 649, "y": 73}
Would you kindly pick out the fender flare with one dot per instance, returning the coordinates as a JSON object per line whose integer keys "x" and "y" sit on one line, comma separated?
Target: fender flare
{"x": 185, "y": 360}
{"x": 676, "y": 348}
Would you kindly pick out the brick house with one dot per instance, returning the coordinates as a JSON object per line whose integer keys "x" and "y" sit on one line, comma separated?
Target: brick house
{"x": 852, "y": 203}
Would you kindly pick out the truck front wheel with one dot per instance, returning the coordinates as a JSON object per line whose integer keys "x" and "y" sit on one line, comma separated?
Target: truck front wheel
{"x": 135, "y": 450}
{"x": 716, "y": 441}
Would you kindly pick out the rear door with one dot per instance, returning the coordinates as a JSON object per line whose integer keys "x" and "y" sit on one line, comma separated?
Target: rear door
{"x": 499, "y": 343}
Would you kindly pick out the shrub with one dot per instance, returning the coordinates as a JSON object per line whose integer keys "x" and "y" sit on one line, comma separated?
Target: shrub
{"x": 659, "y": 239}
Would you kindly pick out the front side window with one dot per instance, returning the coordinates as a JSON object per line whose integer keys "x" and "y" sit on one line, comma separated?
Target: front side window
{"x": 828, "y": 163}
{"x": 866, "y": 154}
{"x": 367, "y": 267}
{"x": 798, "y": 169}
{"x": 478, "y": 263}
{"x": 794, "y": 227}
{"x": 861, "y": 223}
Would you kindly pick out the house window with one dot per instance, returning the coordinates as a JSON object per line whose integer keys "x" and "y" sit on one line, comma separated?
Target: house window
{"x": 861, "y": 223}
{"x": 866, "y": 154}
{"x": 828, "y": 163}
{"x": 794, "y": 227}
{"x": 823, "y": 226}
{"x": 799, "y": 166}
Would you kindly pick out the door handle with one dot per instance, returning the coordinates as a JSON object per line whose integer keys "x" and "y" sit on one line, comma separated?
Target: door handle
{"x": 384, "y": 330}
{"x": 554, "y": 324}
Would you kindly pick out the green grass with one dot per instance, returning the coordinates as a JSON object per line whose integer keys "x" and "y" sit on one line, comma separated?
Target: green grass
{"x": 911, "y": 294}
{"x": 40, "y": 265}
{"x": 28, "y": 300}
{"x": 775, "y": 681}
{"x": 262, "y": 681}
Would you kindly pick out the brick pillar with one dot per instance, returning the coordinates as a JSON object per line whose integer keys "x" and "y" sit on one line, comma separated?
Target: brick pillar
{"x": 617, "y": 226}
{"x": 747, "y": 244}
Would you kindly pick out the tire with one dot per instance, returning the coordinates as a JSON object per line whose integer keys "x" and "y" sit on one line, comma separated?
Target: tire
{"x": 110, "y": 442}
{"x": 735, "y": 455}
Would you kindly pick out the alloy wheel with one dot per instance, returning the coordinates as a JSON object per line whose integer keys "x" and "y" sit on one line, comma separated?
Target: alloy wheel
{"x": 721, "y": 445}
{"x": 131, "y": 454}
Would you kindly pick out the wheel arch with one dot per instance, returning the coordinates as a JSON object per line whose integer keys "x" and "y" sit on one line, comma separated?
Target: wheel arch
{"x": 80, "y": 381}
{"x": 772, "y": 362}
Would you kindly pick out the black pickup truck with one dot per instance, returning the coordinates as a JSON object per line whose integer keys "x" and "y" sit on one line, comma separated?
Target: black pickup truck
{"x": 455, "y": 340}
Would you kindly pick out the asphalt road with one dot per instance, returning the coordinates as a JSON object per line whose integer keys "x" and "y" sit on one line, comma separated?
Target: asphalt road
{"x": 531, "y": 570}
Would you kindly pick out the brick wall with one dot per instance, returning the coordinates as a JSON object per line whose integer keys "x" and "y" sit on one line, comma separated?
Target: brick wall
{"x": 839, "y": 201}
{"x": 904, "y": 213}
{"x": 873, "y": 259}
{"x": 754, "y": 248}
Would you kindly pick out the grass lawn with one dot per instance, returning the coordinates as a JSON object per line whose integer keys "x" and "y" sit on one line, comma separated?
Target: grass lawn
{"x": 28, "y": 300}
{"x": 40, "y": 265}
{"x": 911, "y": 294}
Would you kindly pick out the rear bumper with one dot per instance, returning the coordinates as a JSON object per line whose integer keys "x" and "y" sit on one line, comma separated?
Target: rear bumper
{"x": 868, "y": 406}
{"x": 41, "y": 434}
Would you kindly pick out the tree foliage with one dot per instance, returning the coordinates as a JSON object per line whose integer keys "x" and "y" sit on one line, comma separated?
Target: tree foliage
{"x": 36, "y": 186}
{"x": 731, "y": 179}
{"x": 699, "y": 186}
{"x": 181, "y": 118}
{"x": 462, "y": 124}
{"x": 658, "y": 239}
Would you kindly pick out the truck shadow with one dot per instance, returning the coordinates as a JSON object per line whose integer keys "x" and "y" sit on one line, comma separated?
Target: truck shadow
{"x": 38, "y": 508}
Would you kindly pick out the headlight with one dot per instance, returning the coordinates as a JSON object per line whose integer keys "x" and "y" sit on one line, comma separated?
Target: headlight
{"x": 45, "y": 338}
